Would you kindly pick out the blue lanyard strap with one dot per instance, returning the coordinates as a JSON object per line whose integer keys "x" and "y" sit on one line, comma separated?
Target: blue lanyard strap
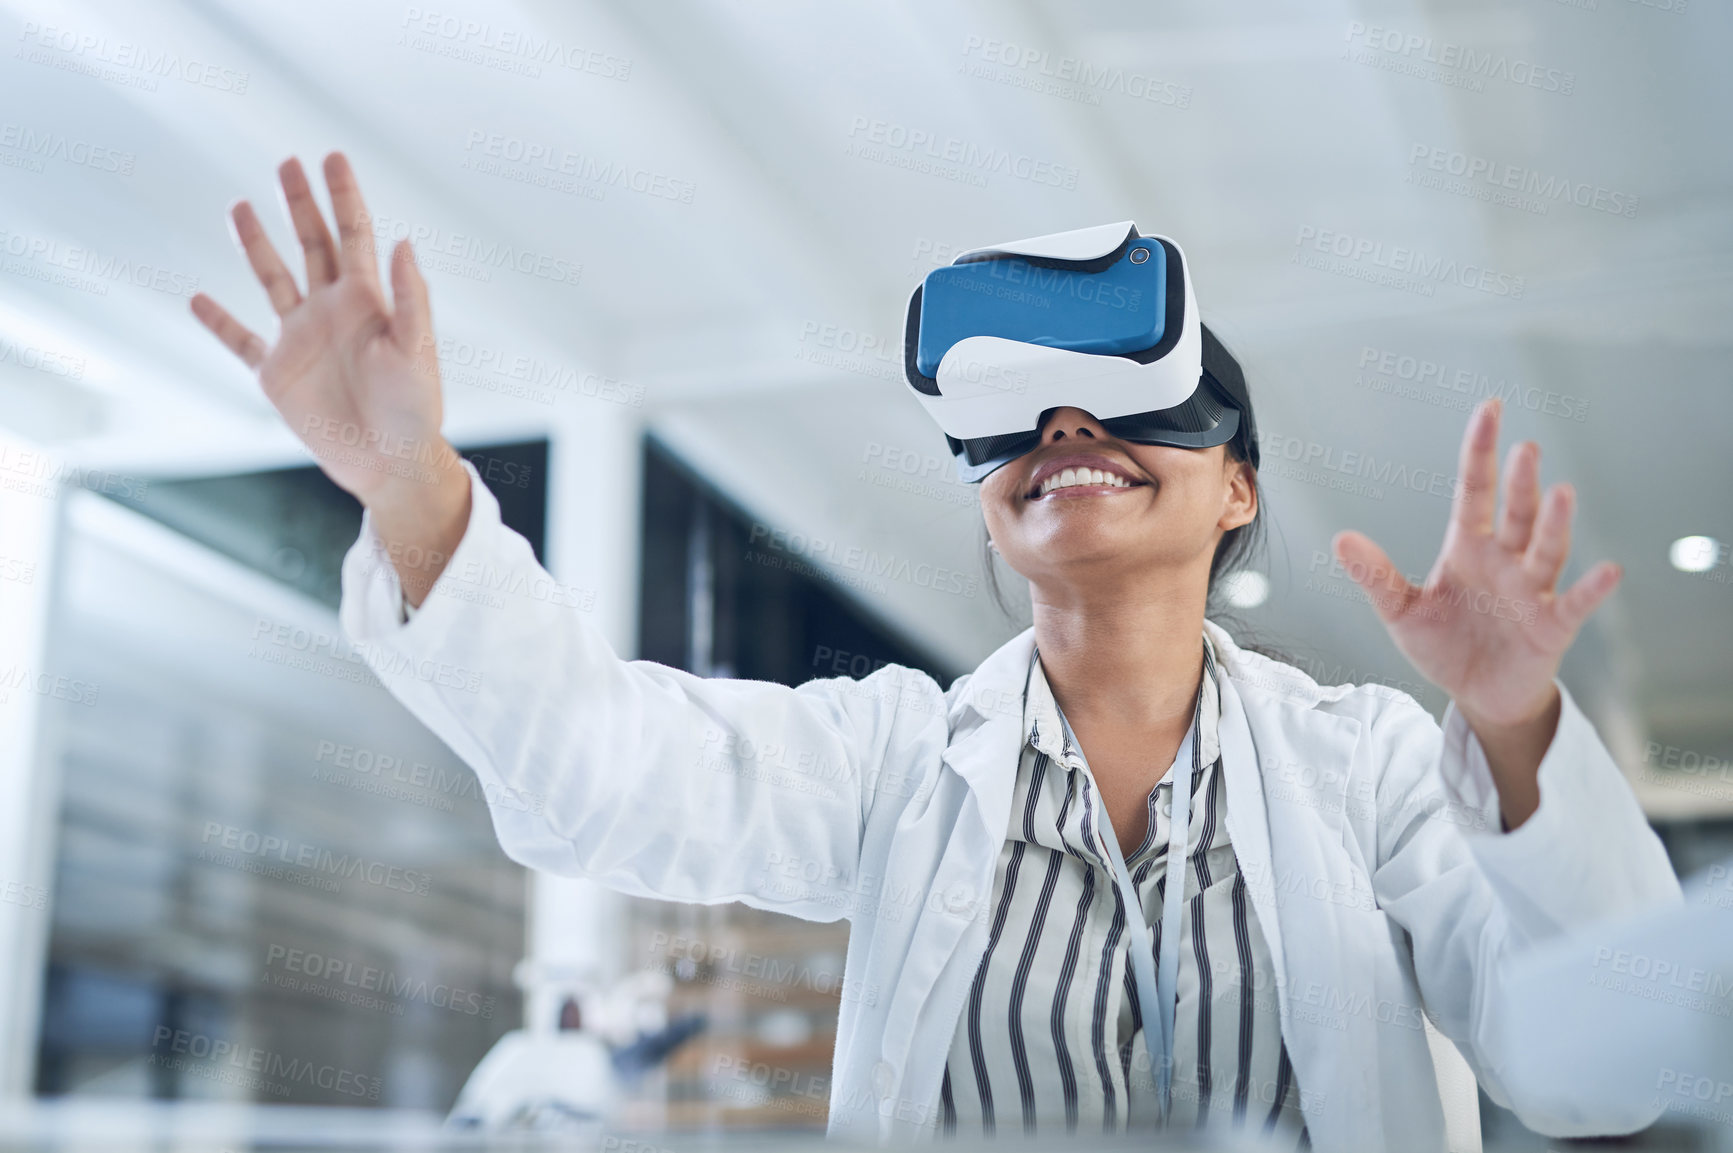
{"x": 1157, "y": 984}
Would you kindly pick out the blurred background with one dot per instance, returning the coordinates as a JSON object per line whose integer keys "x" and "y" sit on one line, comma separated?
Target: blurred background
{"x": 669, "y": 248}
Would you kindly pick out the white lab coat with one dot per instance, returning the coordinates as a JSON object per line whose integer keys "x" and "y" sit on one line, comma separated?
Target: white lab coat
{"x": 1369, "y": 838}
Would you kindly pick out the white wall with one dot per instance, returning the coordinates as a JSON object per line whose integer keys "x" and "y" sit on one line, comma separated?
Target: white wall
{"x": 29, "y": 515}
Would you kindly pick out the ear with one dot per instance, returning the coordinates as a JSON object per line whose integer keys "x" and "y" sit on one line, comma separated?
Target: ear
{"x": 1241, "y": 504}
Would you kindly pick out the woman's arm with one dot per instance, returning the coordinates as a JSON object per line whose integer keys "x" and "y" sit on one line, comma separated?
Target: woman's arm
{"x": 1472, "y": 898}
{"x": 1515, "y": 753}
{"x": 647, "y": 778}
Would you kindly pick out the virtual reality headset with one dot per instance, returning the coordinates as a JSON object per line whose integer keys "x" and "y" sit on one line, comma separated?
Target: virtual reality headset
{"x": 1102, "y": 319}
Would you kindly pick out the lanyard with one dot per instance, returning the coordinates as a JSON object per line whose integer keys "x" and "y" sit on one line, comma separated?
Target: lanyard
{"x": 1157, "y": 985}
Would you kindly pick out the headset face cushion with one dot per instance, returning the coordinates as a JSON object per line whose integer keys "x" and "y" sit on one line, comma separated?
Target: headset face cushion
{"x": 1204, "y": 420}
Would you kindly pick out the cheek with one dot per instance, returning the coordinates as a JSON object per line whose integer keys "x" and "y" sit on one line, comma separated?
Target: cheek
{"x": 1000, "y": 499}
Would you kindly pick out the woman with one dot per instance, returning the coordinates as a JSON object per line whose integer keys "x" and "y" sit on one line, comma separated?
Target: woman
{"x": 1351, "y": 863}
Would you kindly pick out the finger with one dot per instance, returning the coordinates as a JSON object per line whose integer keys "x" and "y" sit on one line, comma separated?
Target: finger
{"x": 1521, "y": 495}
{"x": 309, "y": 224}
{"x": 1584, "y": 597}
{"x": 411, "y": 317}
{"x": 1550, "y": 546}
{"x": 355, "y": 256}
{"x": 240, "y": 340}
{"x": 1477, "y": 468}
{"x": 1368, "y": 566}
{"x": 279, "y": 282}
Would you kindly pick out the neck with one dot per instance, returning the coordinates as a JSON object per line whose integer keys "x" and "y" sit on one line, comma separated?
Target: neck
{"x": 1125, "y": 658}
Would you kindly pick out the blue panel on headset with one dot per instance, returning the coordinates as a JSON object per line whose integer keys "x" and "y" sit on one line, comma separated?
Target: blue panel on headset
{"x": 1121, "y": 309}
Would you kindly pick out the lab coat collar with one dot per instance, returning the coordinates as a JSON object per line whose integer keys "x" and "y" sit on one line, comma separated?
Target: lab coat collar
{"x": 995, "y": 687}
{"x": 1045, "y": 730}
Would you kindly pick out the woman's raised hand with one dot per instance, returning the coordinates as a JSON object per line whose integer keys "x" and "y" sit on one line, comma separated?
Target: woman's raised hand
{"x": 1488, "y": 626}
{"x": 354, "y": 375}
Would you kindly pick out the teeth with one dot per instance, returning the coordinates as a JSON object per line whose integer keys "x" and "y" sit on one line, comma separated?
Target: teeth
{"x": 1073, "y": 477}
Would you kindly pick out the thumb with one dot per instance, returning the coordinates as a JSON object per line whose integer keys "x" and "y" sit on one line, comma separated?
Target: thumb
{"x": 1368, "y": 566}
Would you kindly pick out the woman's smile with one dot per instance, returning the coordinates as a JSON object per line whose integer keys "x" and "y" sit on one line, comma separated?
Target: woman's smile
{"x": 1081, "y": 475}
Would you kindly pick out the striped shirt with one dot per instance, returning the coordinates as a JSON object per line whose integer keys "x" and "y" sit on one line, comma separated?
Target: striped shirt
{"x": 1051, "y": 1032}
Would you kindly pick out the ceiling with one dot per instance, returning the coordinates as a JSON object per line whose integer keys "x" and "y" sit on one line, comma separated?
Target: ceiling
{"x": 745, "y": 193}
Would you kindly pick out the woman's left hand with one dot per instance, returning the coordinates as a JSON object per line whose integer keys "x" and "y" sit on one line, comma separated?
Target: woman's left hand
{"x": 1487, "y": 626}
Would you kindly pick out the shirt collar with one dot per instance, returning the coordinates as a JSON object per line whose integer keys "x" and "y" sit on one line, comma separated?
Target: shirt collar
{"x": 1045, "y": 732}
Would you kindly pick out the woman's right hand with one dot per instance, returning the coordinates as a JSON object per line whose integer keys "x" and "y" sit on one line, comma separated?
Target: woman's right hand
{"x": 356, "y": 377}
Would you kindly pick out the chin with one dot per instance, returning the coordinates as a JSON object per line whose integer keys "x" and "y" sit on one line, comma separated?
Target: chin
{"x": 1088, "y": 540}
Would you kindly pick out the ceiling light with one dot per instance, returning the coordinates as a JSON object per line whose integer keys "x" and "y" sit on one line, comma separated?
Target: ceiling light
{"x": 1246, "y": 590}
{"x": 1694, "y": 553}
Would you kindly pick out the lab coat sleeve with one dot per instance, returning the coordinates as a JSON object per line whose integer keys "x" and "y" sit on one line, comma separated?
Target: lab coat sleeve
{"x": 1472, "y": 897}
{"x": 648, "y": 779}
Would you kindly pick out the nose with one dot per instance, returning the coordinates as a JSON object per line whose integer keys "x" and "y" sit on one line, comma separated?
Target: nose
{"x": 1070, "y": 423}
